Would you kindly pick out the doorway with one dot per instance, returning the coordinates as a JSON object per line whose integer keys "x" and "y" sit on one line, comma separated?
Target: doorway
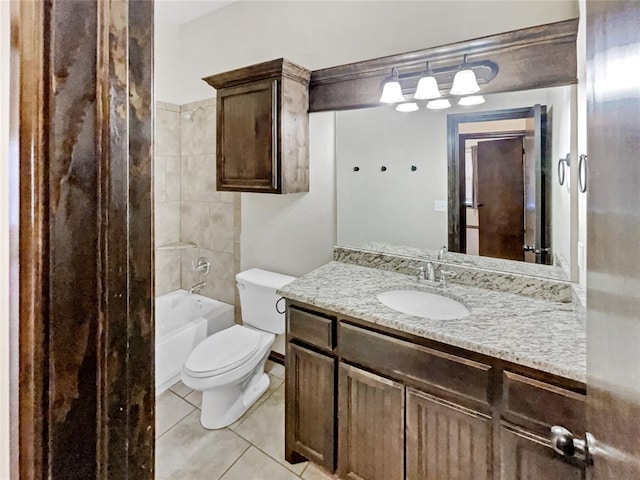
{"x": 499, "y": 203}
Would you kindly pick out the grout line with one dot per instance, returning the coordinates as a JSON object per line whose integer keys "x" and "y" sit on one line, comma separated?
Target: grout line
{"x": 179, "y": 421}
{"x": 273, "y": 458}
{"x": 237, "y": 459}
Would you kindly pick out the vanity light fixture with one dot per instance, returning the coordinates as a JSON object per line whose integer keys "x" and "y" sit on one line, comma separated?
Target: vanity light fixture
{"x": 407, "y": 107}
{"x": 464, "y": 82}
{"x": 440, "y": 104}
{"x": 392, "y": 91}
{"x": 471, "y": 100}
{"x": 427, "y": 88}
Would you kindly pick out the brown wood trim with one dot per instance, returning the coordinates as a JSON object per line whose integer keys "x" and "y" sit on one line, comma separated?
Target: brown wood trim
{"x": 277, "y": 357}
{"x": 85, "y": 359}
{"x": 280, "y": 67}
{"x": 30, "y": 34}
{"x": 534, "y": 57}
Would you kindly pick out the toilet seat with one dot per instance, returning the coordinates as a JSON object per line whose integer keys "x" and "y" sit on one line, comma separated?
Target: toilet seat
{"x": 223, "y": 351}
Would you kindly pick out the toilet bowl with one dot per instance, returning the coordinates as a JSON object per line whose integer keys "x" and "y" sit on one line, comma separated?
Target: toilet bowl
{"x": 228, "y": 366}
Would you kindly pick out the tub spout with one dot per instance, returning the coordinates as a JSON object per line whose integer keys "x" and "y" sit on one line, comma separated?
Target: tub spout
{"x": 195, "y": 288}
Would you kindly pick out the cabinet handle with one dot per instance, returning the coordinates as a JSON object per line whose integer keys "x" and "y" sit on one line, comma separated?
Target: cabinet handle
{"x": 563, "y": 442}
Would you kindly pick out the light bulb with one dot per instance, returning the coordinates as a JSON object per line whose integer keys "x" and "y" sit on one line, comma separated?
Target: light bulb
{"x": 392, "y": 92}
{"x": 407, "y": 107}
{"x": 472, "y": 100}
{"x": 464, "y": 83}
{"x": 427, "y": 89}
{"x": 438, "y": 104}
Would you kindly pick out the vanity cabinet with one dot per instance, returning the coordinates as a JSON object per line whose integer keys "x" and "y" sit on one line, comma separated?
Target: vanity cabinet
{"x": 262, "y": 128}
{"x": 310, "y": 413}
{"x": 405, "y": 407}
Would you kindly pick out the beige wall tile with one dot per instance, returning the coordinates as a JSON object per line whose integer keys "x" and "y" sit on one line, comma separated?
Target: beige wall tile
{"x": 195, "y": 223}
{"x": 167, "y": 132}
{"x": 220, "y": 281}
{"x": 199, "y": 178}
{"x": 172, "y": 107}
{"x": 172, "y": 188}
{"x": 167, "y": 223}
{"x": 198, "y": 135}
{"x": 167, "y": 271}
{"x": 159, "y": 178}
{"x": 209, "y": 102}
{"x": 221, "y": 233}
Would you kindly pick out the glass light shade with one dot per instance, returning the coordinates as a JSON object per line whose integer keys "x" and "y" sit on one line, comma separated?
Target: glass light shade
{"x": 427, "y": 89}
{"x": 407, "y": 107}
{"x": 464, "y": 83}
{"x": 472, "y": 100}
{"x": 392, "y": 92}
{"x": 438, "y": 104}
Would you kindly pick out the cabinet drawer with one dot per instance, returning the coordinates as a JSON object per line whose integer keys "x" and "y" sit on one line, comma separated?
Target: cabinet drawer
{"x": 405, "y": 360}
{"x": 542, "y": 404}
{"x": 311, "y": 328}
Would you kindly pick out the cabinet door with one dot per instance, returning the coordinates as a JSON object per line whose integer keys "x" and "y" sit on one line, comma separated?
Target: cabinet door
{"x": 247, "y": 137}
{"x": 371, "y": 426}
{"x": 446, "y": 441}
{"x": 310, "y": 406}
{"x": 525, "y": 456}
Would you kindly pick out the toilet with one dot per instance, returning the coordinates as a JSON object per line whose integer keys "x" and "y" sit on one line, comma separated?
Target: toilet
{"x": 228, "y": 366}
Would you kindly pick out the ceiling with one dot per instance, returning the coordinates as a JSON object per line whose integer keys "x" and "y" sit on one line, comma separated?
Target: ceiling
{"x": 182, "y": 11}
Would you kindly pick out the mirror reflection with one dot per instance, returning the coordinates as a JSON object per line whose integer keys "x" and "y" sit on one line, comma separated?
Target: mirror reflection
{"x": 480, "y": 179}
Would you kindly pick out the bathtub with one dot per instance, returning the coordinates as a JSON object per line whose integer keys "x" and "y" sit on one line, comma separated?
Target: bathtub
{"x": 183, "y": 321}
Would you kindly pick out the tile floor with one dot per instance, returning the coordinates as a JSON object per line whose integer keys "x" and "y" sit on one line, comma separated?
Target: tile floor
{"x": 250, "y": 449}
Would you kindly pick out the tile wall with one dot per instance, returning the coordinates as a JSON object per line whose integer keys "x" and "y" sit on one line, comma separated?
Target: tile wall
{"x": 200, "y": 215}
{"x": 167, "y": 196}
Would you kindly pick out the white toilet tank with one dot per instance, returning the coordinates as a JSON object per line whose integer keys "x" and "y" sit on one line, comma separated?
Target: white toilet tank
{"x": 257, "y": 289}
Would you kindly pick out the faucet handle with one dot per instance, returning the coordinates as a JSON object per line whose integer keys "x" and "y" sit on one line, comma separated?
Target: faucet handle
{"x": 421, "y": 272}
{"x": 443, "y": 276}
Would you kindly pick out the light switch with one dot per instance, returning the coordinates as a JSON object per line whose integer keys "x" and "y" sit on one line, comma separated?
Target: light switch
{"x": 440, "y": 206}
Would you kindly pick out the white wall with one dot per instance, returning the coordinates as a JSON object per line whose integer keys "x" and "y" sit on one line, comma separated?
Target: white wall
{"x": 4, "y": 239}
{"x": 166, "y": 62}
{"x": 397, "y": 206}
{"x": 295, "y": 233}
{"x": 582, "y": 136}
{"x": 559, "y": 110}
{"x": 321, "y": 34}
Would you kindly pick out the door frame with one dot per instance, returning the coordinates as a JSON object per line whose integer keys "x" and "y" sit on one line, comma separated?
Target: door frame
{"x": 82, "y": 383}
{"x": 457, "y": 215}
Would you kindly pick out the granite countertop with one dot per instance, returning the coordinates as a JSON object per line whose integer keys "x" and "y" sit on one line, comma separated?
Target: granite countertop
{"x": 540, "y": 334}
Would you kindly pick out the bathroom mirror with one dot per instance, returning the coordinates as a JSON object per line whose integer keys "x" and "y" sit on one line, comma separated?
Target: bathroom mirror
{"x": 395, "y": 185}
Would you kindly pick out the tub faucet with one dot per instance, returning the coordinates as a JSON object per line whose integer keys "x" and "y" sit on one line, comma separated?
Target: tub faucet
{"x": 195, "y": 288}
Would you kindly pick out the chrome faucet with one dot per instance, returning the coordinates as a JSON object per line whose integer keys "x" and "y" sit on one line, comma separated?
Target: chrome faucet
{"x": 442, "y": 253}
{"x": 196, "y": 287}
{"x": 427, "y": 274}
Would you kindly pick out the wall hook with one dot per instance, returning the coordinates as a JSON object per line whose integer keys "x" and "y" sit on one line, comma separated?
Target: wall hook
{"x": 383, "y": 169}
{"x": 356, "y": 169}
{"x": 413, "y": 168}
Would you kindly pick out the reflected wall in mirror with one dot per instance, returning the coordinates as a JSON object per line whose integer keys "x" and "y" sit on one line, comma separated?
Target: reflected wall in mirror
{"x": 393, "y": 185}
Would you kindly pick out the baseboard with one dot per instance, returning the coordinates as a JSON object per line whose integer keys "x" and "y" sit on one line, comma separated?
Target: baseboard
{"x": 276, "y": 357}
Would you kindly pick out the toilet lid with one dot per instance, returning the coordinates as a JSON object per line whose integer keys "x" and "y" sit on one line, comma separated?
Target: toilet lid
{"x": 223, "y": 351}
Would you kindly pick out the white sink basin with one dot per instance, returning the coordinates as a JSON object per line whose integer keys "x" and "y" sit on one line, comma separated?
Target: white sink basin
{"x": 423, "y": 304}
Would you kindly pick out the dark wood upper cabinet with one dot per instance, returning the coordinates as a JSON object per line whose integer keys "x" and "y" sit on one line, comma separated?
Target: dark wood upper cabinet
{"x": 262, "y": 128}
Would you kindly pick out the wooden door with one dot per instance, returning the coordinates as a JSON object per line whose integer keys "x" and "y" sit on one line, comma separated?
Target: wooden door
{"x": 371, "y": 426}
{"x": 248, "y": 112}
{"x": 525, "y": 456}
{"x": 310, "y": 410}
{"x": 613, "y": 276}
{"x": 446, "y": 441}
{"x": 501, "y": 198}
